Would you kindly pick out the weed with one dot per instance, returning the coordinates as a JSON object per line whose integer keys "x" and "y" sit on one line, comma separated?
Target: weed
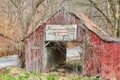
{"x": 52, "y": 77}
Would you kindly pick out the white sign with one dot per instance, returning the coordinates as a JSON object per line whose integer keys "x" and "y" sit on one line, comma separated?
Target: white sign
{"x": 61, "y": 32}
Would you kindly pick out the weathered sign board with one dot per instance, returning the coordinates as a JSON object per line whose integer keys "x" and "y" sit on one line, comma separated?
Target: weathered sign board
{"x": 61, "y": 32}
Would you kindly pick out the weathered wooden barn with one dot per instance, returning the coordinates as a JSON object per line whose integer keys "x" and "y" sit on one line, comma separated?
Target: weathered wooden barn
{"x": 101, "y": 53}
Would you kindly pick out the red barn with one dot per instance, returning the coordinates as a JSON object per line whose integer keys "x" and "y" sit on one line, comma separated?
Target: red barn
{"x": 101, "y": 53}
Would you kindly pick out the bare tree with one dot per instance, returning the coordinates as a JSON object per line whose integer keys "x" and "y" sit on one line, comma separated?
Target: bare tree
{"x": 24, "y": 11}
{"x": 111, "y": 14}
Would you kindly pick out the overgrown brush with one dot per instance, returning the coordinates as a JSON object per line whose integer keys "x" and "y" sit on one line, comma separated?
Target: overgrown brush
{"x": 20, "y": 74}
{"x": 7, "y": 51}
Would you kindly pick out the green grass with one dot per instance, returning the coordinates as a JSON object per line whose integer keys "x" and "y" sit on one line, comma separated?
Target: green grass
{"x": 52, "y": 77}
{"x": 20, "y": 74}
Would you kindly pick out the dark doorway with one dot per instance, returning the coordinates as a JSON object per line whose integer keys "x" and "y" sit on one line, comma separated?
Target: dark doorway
{"x": 56, "y": 54}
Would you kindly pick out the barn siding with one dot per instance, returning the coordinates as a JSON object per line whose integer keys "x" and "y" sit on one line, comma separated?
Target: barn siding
{"x": 35, "y": 50}
{"x": 111, "y": 60}
{"x": 101, "y": 56}
{"x": 108, "y": 58}
{"x": 35, "y": 58}
{"x": 62, "y": 17}
{"x": 93, "y": 57}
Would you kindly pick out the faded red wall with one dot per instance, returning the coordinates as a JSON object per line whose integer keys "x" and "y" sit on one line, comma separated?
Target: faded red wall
{"x": 93, "y": 56}
{"x": 108, "y": 56}
{"x": 34, "y": 59}
{"x": 111, "y": 60}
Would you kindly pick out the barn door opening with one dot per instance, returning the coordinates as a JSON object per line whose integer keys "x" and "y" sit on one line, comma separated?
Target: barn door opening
{"x": 55, "y": 54}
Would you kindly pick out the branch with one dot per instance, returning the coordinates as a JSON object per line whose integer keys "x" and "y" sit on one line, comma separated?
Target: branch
{"x": 108, "y": 10}
{"x": 112, "y": 8}
{"x": 33, "y": 13}
{"x": 36, "y": 6}
{"x": 6, "y": 37}
{"x": 14, "y": 3}
{"x": 95, "y": 5}
{"x": 40, "y": 1}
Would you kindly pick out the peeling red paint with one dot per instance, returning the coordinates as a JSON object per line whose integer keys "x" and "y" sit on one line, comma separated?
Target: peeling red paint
{"x": 33, "y": 56}
{"x": 108, "y": 55}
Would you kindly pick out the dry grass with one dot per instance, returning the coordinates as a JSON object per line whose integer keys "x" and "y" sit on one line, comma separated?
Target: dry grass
{"x": 21, "y": 74}
{"x": 7, "y": 51}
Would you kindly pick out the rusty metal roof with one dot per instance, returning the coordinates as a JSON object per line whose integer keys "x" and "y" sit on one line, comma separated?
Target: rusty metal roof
{"x": 96, "y": 29}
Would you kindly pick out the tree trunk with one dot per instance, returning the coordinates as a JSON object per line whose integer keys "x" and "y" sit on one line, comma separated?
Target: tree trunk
{"x": 118, "y": 31}
{"x": 21, "y": 54}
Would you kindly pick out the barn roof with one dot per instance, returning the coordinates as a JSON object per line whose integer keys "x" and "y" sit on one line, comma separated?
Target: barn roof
{"x": 96, "y": 29}
{"x": 84, "y": 19}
